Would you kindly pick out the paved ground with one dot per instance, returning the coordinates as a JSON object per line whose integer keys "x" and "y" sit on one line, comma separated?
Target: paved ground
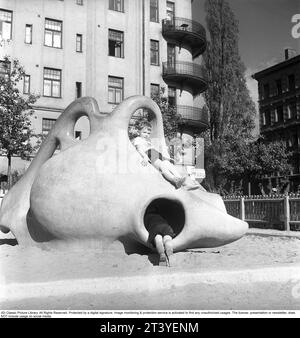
{"x": 260, "y": 271}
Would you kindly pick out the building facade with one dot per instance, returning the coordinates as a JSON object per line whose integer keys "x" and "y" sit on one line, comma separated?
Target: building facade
{"x": 110, "y": 50}
{"x": 279, "y": 109}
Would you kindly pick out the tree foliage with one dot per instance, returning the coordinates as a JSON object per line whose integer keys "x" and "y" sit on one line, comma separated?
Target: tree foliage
{"x": 170, "y": 117}
{"x": 15, "y": 112}
{"x": 227, "y": 98}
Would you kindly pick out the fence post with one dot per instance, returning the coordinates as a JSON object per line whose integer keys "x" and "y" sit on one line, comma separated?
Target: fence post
{"x": 242, "y": 208}
{"x": 286, "y": 213}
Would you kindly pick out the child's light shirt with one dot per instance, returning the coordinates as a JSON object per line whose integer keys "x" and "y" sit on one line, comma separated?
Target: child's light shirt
{"x": 142, "y": 144}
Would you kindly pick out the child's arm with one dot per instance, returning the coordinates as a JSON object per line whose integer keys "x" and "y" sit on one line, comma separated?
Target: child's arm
{"x": 146, "y": 159}
{"x": 137, "y": 142}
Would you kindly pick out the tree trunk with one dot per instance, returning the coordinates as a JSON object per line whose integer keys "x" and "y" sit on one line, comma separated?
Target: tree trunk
{"x": 9, "y": 178}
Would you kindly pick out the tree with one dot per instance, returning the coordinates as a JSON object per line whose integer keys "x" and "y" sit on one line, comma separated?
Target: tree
{"x": 231, "y": 151}
{"x": 267, "y": 158}
{"x": 262, "y": 158}
{"x": 244, "y": 162}
{"x": 231, "y": 110}
{"x": 15, "y": 112}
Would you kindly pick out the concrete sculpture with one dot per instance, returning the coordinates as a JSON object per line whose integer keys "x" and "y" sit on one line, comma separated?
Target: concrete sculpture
{"x": 96, "y": 190}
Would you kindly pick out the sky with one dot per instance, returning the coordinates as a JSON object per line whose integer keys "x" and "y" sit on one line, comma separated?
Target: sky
{"x": 265, "y": 31}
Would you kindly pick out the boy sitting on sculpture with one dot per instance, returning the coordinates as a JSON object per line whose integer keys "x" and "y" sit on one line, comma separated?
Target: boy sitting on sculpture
{"x": 161, "y": 163}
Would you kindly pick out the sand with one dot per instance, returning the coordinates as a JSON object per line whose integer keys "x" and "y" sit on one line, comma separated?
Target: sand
{"x": 32, "y": 265}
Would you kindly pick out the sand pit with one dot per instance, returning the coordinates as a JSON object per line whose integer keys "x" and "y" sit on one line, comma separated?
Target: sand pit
{"x": 31, "y": 265}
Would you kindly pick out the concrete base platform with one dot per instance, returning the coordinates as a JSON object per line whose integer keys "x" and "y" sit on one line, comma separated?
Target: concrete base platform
{"x": 268, "y": 288}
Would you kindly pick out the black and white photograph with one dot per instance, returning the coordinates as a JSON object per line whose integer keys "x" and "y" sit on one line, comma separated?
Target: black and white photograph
{"x": 149, "y": 160}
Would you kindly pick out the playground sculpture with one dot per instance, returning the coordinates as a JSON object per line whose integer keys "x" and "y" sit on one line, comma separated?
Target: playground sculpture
{"x": 96, "y": 190}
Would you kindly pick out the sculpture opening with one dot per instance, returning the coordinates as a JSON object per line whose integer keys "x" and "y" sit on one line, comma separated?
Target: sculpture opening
{"x": 82, "y": 128}
{"x": 170, "y": 210}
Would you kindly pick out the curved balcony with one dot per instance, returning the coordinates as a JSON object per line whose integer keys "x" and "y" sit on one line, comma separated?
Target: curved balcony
{"x": 185, "y": 32}
{"x": 185, "y": 74}
{"x": 194, "y": 117}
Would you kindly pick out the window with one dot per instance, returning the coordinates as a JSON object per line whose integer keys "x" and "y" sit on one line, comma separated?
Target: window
{"x": 289, "y": 112}
{"x": 268, "y": 117}
{"x": 26, "y": 84}
{"x": 47, "y": 125}
{"x": 79, "y": 2}
{"x": 154, "y": 88}
{"x": 116, "y": 5}
{"x": 172, "y": 96}
{"x": 4, "y": 68}
{"x": 292, "y": 110}
{"x": 291, "y": 80}
{"x": 263, "y": 118}
{"x": 115, "y": 43}
{"x": 78, "y": 90}
{"x": 154, "y": 11}
{"x": 79, "y": 43}
{"x": 78, "y": 135}
{"x": 170, "y": 12}
{"x": 52, "y": 82}
{"x": 292, "y": 141}
{"x": 5, "y": 24}
{"x": 279, "y": 87}
{"x": 171, "y": 55}
{"x": 279, "y": 111}
{"x": 154, "y": 52}
{"x": 276, "y": 115}
{"x": 115, "y": 89}
{"x": 53, "y": 33}
{"x": 28, "y": 34}
{"x": 266, "y": 90}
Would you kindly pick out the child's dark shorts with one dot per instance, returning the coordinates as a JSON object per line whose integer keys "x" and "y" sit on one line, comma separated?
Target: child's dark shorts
{"x": 154, "y": 155}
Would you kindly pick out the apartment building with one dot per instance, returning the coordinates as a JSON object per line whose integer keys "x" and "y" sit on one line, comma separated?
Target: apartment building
{"x": 110, "y": 50}
{"x": 279, "y": 109}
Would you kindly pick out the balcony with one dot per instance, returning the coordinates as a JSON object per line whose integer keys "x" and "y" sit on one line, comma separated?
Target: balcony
{"x": 185, "y": 32}
{"x": 186, "y": 75}
{"x": 193, "y": 117}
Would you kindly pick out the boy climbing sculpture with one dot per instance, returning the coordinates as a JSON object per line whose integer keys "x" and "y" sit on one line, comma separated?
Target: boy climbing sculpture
{"x": 160, "y": 235}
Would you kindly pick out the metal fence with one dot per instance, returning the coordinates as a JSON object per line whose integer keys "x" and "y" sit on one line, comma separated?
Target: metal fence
{"x": 193, "y": 114}
{"x": 183, "y": 68}
{"x": 183, "y": 24}
{"x": 267, "y": 212}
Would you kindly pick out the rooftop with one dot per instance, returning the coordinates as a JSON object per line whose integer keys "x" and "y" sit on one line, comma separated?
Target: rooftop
{"x": 277, "y": 67}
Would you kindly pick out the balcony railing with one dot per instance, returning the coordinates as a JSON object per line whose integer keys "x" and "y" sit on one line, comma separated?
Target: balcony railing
{"x": 193, "y": 116}
{"x": 186, "y": 74}
{"x": 186, "y": 31}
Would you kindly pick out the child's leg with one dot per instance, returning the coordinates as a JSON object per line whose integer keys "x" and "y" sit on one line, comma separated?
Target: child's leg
{"x": 158, "y": 240}
{"x": 168, "y": 166}
{"x": 161, "y": 250}
{"x": 168, "y": 245}
{"x": 169, "y": 172}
